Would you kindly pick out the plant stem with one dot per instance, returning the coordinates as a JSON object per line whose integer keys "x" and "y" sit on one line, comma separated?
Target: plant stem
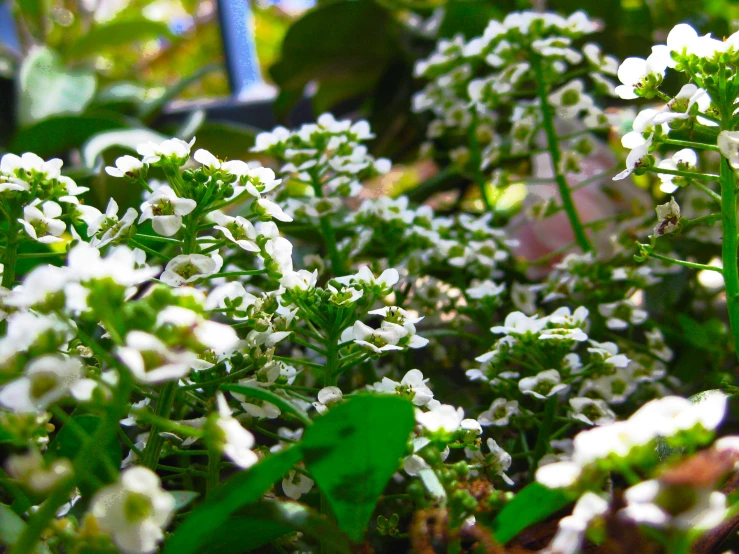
{"x": 691, "y": 265}
{"x": 542, "y": 440}
{"x": 11, "y": 254}
{"x": 729, "y": 247}
{"x": 553, "y": 146}
{"x": 214, "y": 471}
{"x": 153, "y": 448}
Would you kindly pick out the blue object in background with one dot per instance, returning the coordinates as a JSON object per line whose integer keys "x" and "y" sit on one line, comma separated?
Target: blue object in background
{"x": 8, "y": 34}
{"x": 239, "y": 48}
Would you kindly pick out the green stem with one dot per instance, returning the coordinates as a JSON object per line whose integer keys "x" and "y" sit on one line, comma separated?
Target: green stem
{"x": 689, "y": 174}
{"x": 214, "y": 471}
{"x": 691, "y": 265}
{"x": 545, "y": 430}
{"x": 11, "y": 254}
{"x": 689, "y": 144}
{"x": 568, "y": 204}
{"x": 729, "y": 247}
{"x": 153, "y": 448}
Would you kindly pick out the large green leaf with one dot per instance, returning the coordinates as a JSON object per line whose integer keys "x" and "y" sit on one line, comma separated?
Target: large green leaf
{"x": 239, "y": 491}
{"x": 48, "y": 88}
{"x": 59, "y": 134}
{"x": 533, "y": 504}
{"x": 69, "y": 440}
{"x": 352, "y": 452}
{"x": 116, "y": 33}
{"x": 362, "y": 41}
{"x": 11, "y": 526}
{"x": 268, "y": 520}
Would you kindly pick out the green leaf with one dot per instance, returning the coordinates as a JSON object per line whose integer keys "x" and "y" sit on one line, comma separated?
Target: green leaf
{"x": 59, "y": 134}
{"x": 352, "y": 452}
{"x": 116, "y": 33}
{"x": 47, "y": 88}
{"x": 310, "y": 53}
{"x": 268, "y": 520}
{"x": 534, "y": 503}
{"x": 11, "y": 526}
{"x": 69, "y": 440}
{"x": 125, "y": 138}
{"x": 242, "y": 489}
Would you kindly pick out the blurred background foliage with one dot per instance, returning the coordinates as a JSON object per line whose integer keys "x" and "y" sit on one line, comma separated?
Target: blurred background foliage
{"x": 89, "y": 79}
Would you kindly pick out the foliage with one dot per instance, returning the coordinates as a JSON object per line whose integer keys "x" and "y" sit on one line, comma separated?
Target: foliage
{"x": 250, "y": 340}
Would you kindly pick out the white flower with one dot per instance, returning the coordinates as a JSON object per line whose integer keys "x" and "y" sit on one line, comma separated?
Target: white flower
{"x": 364, "y": 275}
{"x": 684, "y": 160}
{"x": 300, "y": 280}
{"x": 41, "y": 224}
{"x": 571, "y": 99}
{"x": 280, "y": 251}
{"x": 165, "y": 209}
{"x": 37, "y": 474}
{"x": 238, "y": 230}
{"x": 46, "y": 380}
{"x": 327, "y": 396}
{"x": 174, "y": 150}
{"x": 376, "y": 340}
{"x": 207, "y": 159}
{"x": 150, "y": 361}
{"x": 267, "y": 140}
{"x": 680, "y": 107}
{"x": 571, "y": 529}
{"x": 134, "y": 510}
{"x": 638, "y": 74}
{"x": 106, "y": 228}
{"x": 260, "y": 180}
{"x": 413, "y": 385}
{"x": 31, "y": 164}
{"x": 592, "y": 412}
{"x": 728, "y": 144}
{"x": 187, "y": 268}
{"x": 499, "y": 413}
{"x": 619, "y": 315}
{"x": 543, "y": 385}
{"x": 668, "y": 218}
{"x": 86, "y": 264}
{"x": 443, "y": 417}
{"x": 501, "y": 460}
{"x": 518, "y": 323}
{"x": 486, "y": 289}
{"x": 235, "y": 441}
{"x": 295, "y": 484}
{"x": 266, "y": 208}
{"x": 559, "y": 475}
{"x": 220, "y": 338}
{"x": 648, "y": 503}
{"x": 604, "y": 63}
{"x": 638, "y": 157}
{"x": 125, "y": 166}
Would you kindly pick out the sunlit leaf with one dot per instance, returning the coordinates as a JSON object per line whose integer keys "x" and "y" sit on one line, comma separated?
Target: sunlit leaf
{"x": 48, "y": 88}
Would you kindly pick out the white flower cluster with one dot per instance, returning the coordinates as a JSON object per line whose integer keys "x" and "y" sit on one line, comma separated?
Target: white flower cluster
{"x": 515, "y": 56}
{"x": 596, "y": 450}
{"x": 327, "y": 158}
